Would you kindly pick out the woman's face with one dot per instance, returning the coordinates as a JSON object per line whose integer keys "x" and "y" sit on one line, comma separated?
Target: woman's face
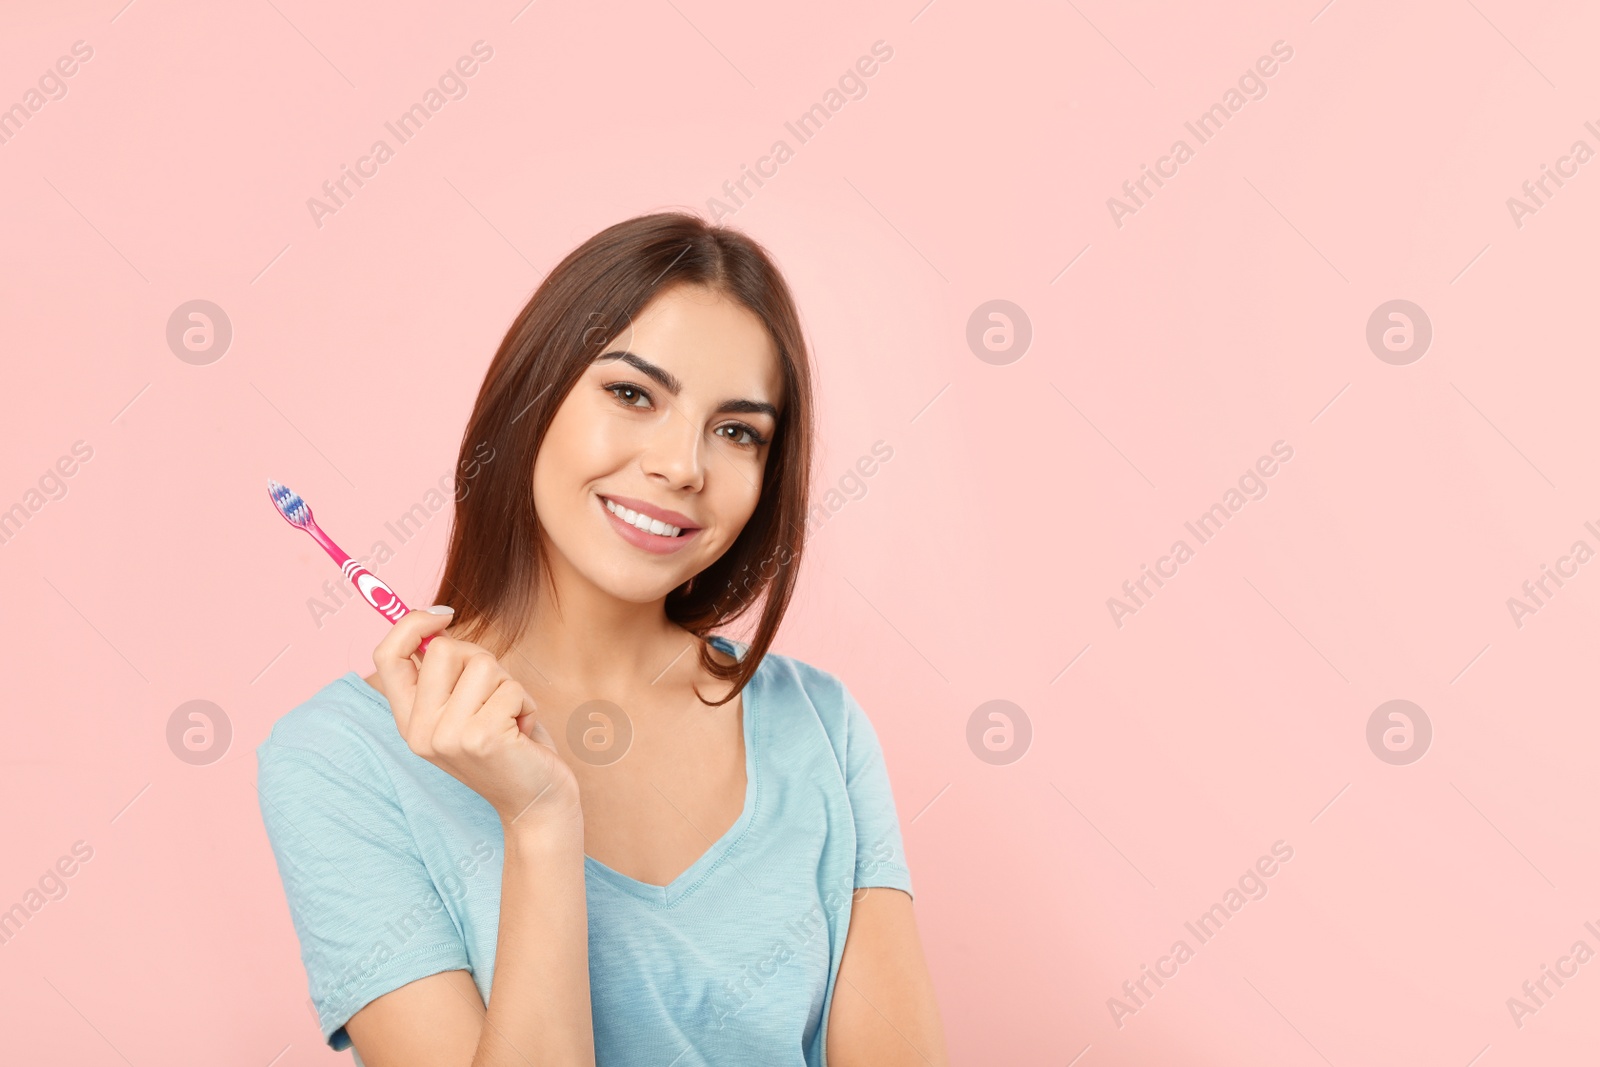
{"x": 673, "y": 421}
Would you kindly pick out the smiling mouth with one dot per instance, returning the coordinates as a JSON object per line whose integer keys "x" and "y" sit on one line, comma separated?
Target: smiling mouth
{"x": 644, "y": 522}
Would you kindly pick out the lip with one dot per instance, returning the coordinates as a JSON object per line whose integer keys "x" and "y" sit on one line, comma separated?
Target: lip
{"x": 649, "y": 542}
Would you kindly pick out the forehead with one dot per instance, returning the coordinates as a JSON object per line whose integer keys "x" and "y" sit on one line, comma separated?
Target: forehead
{"x": 710, "y": 341}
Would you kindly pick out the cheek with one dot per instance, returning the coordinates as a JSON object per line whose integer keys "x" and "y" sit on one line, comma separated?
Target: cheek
{"x": 581, "y": 443}
{"x": 736, "y": 507}
{"x": 558, "y": 468}
{"x": 602, "y": 433}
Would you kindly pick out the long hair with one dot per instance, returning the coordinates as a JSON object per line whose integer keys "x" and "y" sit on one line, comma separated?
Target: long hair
{"x": 496, "y": 556}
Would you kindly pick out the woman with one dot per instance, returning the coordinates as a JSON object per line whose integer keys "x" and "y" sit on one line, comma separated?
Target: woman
{"x": 654, "y": 845}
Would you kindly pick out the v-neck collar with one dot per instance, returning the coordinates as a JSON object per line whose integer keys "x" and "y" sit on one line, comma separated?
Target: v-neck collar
{"x": 666, "y": 896}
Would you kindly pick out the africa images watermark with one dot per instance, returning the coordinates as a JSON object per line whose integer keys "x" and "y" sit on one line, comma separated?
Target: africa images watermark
{"x": 1579, "y": 554}
{"x": 735, "y": 993}
{"x": 52, "y": 885}
{"x": 1206, "y": 526}
{"x": 52, "y": 485}
{"x": 1579, "y": 154}
{"x": 1531, "y": 1001}
{"x": 1251, "y": 885}
{"x": 452, "y": 85}
{"x": 399, "y": 933}
{"x": 1205, "y": 126}
{"x": 851, "y": 86}
{"x": 404, "y": 528}
{"x": 51, "y": 86}
{"x": 848, "y": 488}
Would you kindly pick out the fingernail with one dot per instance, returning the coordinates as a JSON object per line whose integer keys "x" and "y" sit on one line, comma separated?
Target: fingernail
{"x": 440, "y": 609}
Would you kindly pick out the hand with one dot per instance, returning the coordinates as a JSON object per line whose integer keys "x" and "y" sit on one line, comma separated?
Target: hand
{"x": 463, "y": 712}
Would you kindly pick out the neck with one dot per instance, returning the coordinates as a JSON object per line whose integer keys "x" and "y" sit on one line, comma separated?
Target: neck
{"x": 591, "y": 642}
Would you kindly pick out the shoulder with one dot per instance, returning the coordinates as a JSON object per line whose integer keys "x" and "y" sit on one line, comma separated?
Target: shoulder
{"x": 345, "y": 725}
{"x": 799, "y": 695}
{"x": 789, "y": 675}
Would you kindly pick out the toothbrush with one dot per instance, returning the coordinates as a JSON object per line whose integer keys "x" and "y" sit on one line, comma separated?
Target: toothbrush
{"x": 298, "y": 513}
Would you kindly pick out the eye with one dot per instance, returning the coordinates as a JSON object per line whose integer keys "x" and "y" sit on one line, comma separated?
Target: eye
{"x": 753, "y": 439}
{"x": 618, "y": 388}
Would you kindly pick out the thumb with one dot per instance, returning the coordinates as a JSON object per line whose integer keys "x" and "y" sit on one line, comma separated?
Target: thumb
{"x": 530, "y": 726}
{"x": 431, "y": 622}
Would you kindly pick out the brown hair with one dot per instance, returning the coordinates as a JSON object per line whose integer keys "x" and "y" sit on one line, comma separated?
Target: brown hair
{"x": 497, "y": 552}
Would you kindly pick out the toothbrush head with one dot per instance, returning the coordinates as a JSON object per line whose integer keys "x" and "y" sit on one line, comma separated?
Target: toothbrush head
{"x": 289, "y": 504}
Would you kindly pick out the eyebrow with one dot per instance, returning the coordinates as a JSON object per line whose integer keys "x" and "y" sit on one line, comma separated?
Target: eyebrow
{"x": 671, "y": 384}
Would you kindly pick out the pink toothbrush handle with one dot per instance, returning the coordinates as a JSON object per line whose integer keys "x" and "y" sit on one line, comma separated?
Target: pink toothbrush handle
{"x": 372, "y": 588}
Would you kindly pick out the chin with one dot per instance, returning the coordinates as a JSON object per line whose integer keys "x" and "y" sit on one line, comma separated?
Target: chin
{"x": 634, "y": 588}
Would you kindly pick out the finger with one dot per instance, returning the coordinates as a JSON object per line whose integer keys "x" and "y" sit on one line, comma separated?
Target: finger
{"x": 447, "y": 656}
{"x": 481, "y": 675}
{"x": 396, "y": 669}
{"x": 404, "y": 636}
{"x": 496, "y": 718}
{"x": 434, "y": 686}
{"x": 436, "y": 680}
{"x": 526, "y": 722}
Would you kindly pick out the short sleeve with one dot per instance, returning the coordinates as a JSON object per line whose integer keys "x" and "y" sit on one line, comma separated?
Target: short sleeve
{"x": 369, "y": 916}
{"x": 880, "y": 855}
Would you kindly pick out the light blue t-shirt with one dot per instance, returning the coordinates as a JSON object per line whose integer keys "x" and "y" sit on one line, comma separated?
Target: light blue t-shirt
{"x": 392, "y": 870}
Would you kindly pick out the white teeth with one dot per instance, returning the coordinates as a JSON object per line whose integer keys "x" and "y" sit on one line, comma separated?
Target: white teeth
{"x": 644, "y": 522}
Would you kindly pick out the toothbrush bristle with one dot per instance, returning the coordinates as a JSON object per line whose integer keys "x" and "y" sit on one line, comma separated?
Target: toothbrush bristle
{"x": 289, "y": 504}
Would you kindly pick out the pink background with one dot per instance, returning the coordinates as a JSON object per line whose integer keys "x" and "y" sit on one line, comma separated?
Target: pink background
{"x": 1227, "y": 314}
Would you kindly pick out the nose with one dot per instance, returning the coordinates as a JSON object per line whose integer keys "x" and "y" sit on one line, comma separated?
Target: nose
{"x": 672, "y": 453}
